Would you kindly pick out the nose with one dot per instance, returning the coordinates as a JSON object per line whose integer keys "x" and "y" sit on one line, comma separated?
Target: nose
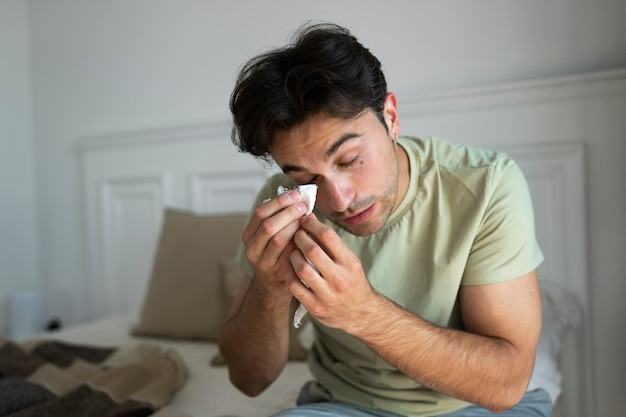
{"x": 340, "y": 194}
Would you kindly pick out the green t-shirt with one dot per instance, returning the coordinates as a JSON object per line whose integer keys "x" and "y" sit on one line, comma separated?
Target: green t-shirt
{"x": 466, "y": 219}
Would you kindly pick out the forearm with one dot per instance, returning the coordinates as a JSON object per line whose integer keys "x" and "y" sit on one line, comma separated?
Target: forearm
{"x": 483, "y": 370}
{"x": 259, "y": 327}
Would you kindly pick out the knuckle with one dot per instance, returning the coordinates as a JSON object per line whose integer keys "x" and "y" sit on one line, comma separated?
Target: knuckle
{"x": 327, "y": 234}
{"x": 258, "y": 215}
{"x": 278, "y": 240}
{"x": 248, "y": 234}
{"x": 316, "y": 310}
{"x": 300, "y": 270}
{"x": 249, "y": 253}
{"x": 267, "y": 227}
{"x": 343, "y": 286}
{"x": 315, "y": 252}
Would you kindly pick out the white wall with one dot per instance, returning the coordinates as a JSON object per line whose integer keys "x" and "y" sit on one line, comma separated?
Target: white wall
{"x": 18, "y": 221}
{"x": 101, "y": 67}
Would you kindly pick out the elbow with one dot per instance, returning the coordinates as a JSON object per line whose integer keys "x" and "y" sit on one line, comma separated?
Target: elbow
{"x": 251, "y": 390}
{"x": 242, "y": 379}
{"x": 249, "y": 371}
{"x": 238, "y": 378}
{"x": 507, "y": 399}
{"x": 501, "y": 406}
{"x": 245, "y": 379}
{"x": 512, "y": 388}
{"x": 248, "y": 386}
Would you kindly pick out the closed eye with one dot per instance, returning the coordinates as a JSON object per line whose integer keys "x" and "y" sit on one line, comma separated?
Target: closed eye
{"x": 310, "y": 181}
{"x": 313, "y": 179}
{"x": 349, "y": 163}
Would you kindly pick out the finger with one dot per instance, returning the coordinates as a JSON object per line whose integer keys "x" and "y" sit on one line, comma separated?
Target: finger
{"x": 268, "y": 209}
{"x": 277, "y": 231}
{"x": 272, "y": 233}
{"x": 320, "y": 244}
{"x": 281, "y": 244}
{"x": 306, "y": 273}
{"x": 303, "y": 281}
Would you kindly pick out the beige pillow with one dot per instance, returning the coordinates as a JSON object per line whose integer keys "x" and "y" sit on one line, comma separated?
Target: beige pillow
{"x": 184, "y": 298}
{"x": 299, "y": 342}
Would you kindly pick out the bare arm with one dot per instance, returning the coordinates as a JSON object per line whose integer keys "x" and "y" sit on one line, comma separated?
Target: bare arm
{"x": 488, "y": 364}
{"x": 258, "y": 323}
{"x": 254, "y": 340}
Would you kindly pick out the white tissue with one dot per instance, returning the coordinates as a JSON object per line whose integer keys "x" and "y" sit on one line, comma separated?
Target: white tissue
{"x": 308, "y": 192}
{"x": 299, "y": 315}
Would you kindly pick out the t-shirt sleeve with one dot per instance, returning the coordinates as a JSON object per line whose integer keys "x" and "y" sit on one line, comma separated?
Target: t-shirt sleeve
{"x": 505, "y": 246}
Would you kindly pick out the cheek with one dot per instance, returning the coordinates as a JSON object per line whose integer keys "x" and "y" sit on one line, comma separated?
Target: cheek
{"x": 346, "y": 188}
{"x": 372, "y": 174}
{"x": 361, "y": 182}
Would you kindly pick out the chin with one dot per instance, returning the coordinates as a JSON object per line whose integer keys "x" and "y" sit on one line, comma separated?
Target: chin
{"x": 364, "y": 229}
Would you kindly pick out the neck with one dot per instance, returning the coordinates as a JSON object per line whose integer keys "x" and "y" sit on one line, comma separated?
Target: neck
{"x": 404, "y": 173}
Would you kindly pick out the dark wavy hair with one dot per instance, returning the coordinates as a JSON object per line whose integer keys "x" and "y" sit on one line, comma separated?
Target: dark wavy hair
{"x": 324, "y": 71}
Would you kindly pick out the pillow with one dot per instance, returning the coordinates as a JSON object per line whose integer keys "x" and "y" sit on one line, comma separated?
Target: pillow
{"x": 300, "y": 339}
{"x": 560, "y": 311}
{"x": 184, "y": 297}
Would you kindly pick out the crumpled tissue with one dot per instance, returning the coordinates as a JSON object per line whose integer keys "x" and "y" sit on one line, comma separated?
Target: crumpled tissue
{"x": 308, "y": 193}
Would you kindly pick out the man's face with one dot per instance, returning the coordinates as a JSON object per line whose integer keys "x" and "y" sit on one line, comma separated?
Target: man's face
{"x": 354, "y": 164}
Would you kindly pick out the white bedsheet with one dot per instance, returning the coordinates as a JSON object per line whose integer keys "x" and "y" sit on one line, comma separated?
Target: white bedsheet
{"x": 208, "y": 392}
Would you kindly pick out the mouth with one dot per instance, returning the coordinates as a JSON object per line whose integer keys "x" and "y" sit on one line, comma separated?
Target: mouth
{"x": 361, "y": 217}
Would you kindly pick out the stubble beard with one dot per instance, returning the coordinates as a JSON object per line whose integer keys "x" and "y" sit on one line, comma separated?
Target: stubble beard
{"x": 386, "y": 204}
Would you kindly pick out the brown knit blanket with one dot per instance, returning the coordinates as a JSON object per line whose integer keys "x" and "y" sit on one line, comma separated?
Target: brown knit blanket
{"x": 52, "y": 378}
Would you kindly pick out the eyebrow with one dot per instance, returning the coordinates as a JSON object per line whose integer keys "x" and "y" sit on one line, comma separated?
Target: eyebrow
{"x": 330, "y": 152}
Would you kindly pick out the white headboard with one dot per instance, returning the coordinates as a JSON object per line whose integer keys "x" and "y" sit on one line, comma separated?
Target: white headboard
{"x": 129, "y": 178}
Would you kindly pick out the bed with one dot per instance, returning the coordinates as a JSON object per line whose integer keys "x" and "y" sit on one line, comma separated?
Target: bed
{"x": 146, "y": 192}
{"x": 206, "y": 391}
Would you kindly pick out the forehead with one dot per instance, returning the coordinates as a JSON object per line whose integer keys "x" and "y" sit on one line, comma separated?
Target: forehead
{"x": 319, "y": 136}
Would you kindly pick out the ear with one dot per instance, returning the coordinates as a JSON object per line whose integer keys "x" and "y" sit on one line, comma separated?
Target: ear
{"x": 390, "y": 113}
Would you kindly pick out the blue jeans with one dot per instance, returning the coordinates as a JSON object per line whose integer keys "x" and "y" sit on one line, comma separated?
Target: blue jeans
{"x": 535, "y": 403}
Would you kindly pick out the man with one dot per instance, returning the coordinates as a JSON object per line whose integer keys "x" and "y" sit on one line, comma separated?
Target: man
{"x": 421, "y": 283}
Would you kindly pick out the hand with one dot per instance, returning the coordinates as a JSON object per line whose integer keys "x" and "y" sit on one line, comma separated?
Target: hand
{"x": 268, "y": 239}
{"x": 337, "y": 294}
